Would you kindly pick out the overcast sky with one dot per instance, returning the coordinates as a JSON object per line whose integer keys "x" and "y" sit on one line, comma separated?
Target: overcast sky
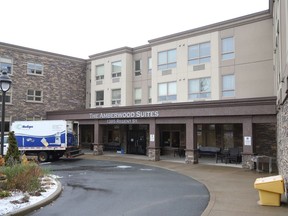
{"x": 81, "y": 28}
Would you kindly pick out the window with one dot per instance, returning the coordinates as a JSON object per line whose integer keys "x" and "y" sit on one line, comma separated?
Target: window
{"x": 34, "y": 95}
{"x": 99, "y": 72}
{"x": 167, "y": 59}
{"x": 33, "y": 68}
{"x": 137, "y": 95}
{"x": 99, "y": 98}
{"x": 116, "y": 97}
{"x": 167, "y": 91}
{"x": 149, "y": 95}
{"x": 116, "y": 69}
{"x": 199, "y": 53}
{"x": 228, "y": 48}
{"x": 138, "y": 68}
{"x": 199, "y": 88}
{"x": 6, "y": 63}
{"x": 7, "y": 96}
{"x": 34, "y": 118}
{"x": 228, "y": 86}
{"x": 149, "y": 65}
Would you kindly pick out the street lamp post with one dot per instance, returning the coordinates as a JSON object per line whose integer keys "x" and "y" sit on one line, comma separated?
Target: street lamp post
{"x": 5, "y": 84}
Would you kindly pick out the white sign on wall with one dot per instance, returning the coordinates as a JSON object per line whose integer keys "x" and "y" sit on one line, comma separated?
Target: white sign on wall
{"x": 152, "y": 137}
{"x": 247, "y": 141}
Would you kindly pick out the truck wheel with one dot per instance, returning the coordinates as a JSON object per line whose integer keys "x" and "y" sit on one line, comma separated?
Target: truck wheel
{"x": 42, "y": 157}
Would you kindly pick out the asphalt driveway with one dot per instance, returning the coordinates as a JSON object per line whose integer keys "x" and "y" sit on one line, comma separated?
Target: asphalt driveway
{"x": 93, "y": 187}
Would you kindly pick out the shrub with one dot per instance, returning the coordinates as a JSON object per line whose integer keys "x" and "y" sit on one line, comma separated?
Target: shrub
{"x": 23, "y": 177}
{"x": 13, "y": 151}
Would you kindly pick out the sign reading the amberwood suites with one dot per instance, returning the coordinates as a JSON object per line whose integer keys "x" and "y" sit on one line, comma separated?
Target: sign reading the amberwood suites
{"x": 117, "y": 115}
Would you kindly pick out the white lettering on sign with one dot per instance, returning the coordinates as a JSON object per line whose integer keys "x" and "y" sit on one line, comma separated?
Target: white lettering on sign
{"x": 122, "y": 121}
{"x": 136, "y": 114}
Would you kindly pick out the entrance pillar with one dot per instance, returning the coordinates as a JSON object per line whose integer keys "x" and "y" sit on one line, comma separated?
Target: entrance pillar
{"x": 154, "y": 147}
{"x": 97, "y": 145}
{"x": 191, "y": 152}
{"x": 247, "y": 143}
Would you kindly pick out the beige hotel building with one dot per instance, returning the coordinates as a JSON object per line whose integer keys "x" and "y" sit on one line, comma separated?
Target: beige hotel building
{"x": 223, "y": 85}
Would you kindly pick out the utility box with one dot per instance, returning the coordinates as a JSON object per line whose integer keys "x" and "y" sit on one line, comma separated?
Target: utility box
{"x": 270, "y": 190}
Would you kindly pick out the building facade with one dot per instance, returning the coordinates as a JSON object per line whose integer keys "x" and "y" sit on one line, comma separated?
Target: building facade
{"x": 212, "y": 86}
{"x": 41, "y": 82}
{"x": 280, "y": 48}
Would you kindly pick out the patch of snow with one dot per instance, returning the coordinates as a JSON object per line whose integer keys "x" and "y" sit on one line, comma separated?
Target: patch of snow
{"x": 7, "y": 207}
{"x": 124, "y": 167}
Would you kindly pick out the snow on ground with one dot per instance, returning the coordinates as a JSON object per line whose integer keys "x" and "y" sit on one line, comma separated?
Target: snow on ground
{"x": 7, "y": 207}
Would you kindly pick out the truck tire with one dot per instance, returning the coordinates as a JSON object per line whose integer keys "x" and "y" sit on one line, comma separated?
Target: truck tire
{"x": 42, "y": 157}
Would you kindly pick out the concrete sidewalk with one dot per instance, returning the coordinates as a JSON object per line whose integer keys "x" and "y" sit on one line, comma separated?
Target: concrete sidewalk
{"x": 231, "y": 189}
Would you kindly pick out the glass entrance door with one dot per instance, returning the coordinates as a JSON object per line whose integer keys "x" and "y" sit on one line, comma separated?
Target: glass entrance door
{"x": 136, "y": 142}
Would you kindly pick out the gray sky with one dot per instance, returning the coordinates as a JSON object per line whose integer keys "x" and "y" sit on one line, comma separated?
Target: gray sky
{"x": 81, "y": 28}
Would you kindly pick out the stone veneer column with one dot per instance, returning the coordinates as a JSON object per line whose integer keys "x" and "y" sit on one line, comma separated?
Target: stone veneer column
{"x": 247, "y": 149}
{"x": 153, "y": 148}
{"x": 191, "y": 152}
{"x": 98, "y": 145}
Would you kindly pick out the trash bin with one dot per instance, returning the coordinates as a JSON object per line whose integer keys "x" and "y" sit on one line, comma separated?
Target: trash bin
{"x": 270, "y": 190}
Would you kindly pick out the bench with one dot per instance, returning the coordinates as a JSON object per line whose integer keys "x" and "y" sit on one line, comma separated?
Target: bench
{"x": 208, "y": 151}
{"x": 112, "y": 146}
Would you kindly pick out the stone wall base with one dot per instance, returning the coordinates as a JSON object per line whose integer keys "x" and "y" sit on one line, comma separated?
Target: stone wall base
{"x": 247, "y": 162}
{"x": 191, "y": 156}
{"x": 154, "y": 154}
{"x": 97, "y": 149}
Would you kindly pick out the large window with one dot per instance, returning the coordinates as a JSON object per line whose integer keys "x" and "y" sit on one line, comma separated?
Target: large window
{"x": 228, "y": 50}
{"x": 99, "y": 98}
{"x": 116, "y": 69}
{"x": 228, "y": 86}
{"x": 100, "y": 72}
{"x": 199, "y": 88}
{"x": 116, "y": 97}
{"x": 137, "y": 95}
{"x": 137, "y": 67}
{"x": 6, "y": 63}
{"x": 34, "y": 68}
{"x": 167, "y": 59}
{"x": 34, "y": 95}
{"x": 167, "y": 91}
{"x": 199, "y": 53}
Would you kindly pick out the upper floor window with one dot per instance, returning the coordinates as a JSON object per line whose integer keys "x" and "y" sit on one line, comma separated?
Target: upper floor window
{"x": 137, "y": 67}
{"x": 6, "y": 64}
{"x": 116, "y": 69}
{"x": 228, "y": 85}
{"x": 34, "y": 95}
{"x": 199, "y": 88}
{"x": 149, "y": 65}
{"x": 137, "y": 96}
{"x": 8, "y": 95}
{"x": 167, "y": 91}
{"x": 99, "y": 72}
{"x": 34, "y": 118}
{"x": 99, "y": 98}
{"x": 228, "y": 49}
{"x": 116, "y": 97}
{"x": 167, "y": 59}
{"x": 34, "y": 68}
{"x": 199, "y": 53}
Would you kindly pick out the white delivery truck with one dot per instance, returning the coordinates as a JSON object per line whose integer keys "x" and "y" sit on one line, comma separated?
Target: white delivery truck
{"x": 47, "y": 139}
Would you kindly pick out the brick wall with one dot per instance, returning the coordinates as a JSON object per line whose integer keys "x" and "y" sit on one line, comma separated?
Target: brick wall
{"x": 63, "y": 82}
{"x": 282, "y": 140}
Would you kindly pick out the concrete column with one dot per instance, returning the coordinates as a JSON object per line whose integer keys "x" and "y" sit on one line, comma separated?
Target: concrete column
{"x": 191, "y": 152}
{"x": 98, "y": 144}
{"x": 247, "y": 143}
{"x": 154, "y": 141}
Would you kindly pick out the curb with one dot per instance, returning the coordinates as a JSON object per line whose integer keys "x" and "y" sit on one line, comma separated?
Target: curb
{"x": 38, "y": 205}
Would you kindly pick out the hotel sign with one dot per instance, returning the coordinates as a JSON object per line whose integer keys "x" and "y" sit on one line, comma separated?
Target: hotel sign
{"x": 121, "y": 115}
